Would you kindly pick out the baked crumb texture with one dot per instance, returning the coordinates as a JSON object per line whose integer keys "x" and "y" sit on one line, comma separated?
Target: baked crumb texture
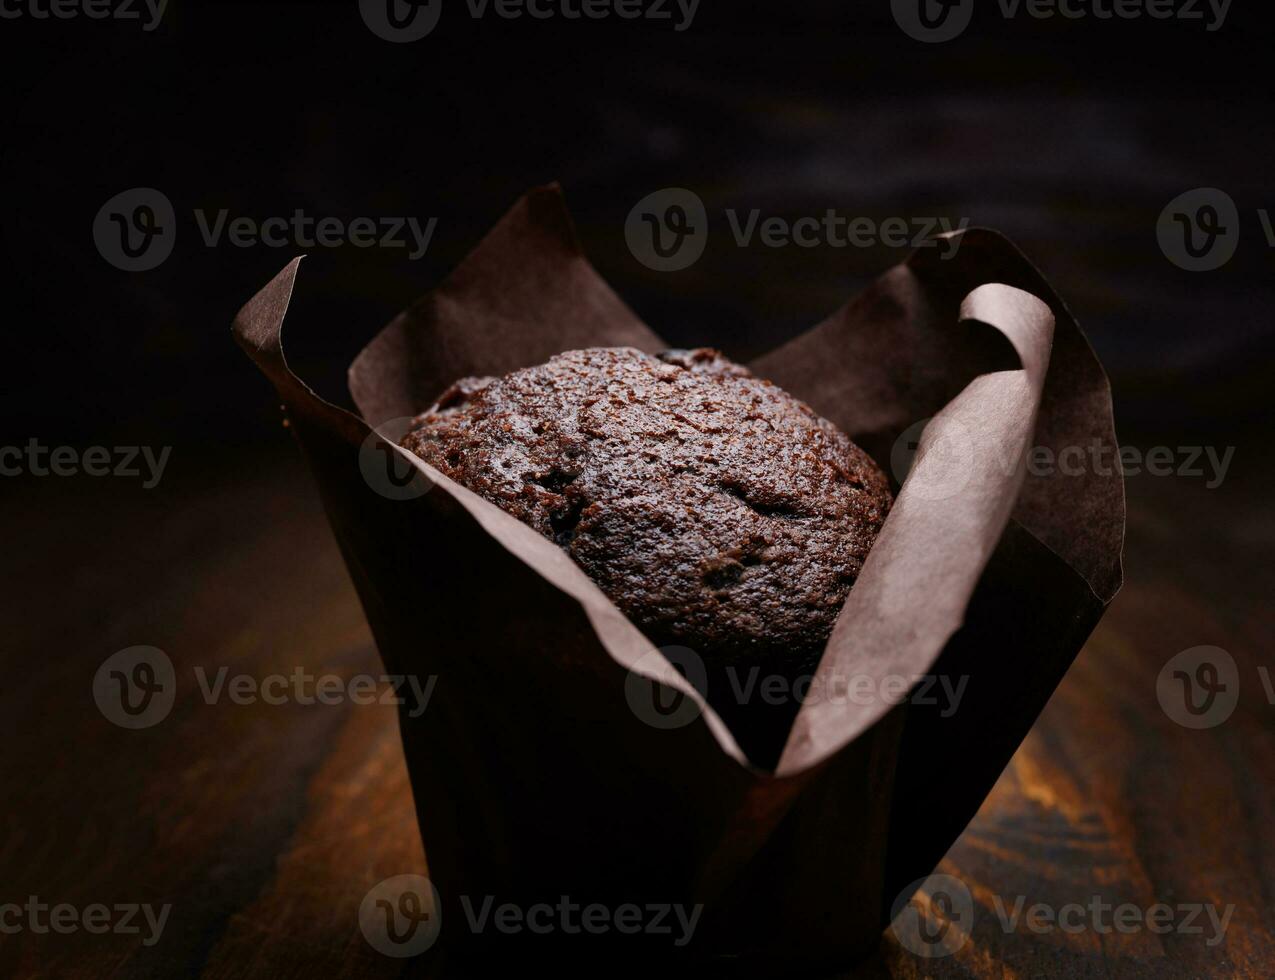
{"x": 717, "y": 511}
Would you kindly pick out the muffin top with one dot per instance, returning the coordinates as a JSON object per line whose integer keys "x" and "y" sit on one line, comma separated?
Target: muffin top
{"x": 717, "y": 511}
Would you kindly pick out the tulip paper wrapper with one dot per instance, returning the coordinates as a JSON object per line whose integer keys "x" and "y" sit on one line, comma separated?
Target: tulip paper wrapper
{"x": 534, "y": 778}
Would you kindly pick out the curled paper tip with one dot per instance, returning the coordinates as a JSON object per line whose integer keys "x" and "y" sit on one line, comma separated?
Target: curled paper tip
{"x": 1023, "y": 318}
{"x": 257, "y": 323}
{"x": 916, "y": 583}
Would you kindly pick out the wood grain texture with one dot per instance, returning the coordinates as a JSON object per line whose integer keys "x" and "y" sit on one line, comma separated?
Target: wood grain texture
{"x": 265, "y": 825}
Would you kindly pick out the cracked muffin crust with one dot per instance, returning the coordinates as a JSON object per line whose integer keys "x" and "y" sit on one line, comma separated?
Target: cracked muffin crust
{"x": 717, "y": 511}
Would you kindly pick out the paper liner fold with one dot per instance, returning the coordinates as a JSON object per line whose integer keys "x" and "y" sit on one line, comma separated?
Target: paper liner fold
{"x": 534, "y": 778}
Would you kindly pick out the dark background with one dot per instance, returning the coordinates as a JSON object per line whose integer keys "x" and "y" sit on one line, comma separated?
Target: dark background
{"x": 265, "y": 827}
{"x": 1068, "y": 136}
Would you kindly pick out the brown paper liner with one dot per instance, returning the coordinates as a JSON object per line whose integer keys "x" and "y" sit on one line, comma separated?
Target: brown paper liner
{"x": 533, "y": 777}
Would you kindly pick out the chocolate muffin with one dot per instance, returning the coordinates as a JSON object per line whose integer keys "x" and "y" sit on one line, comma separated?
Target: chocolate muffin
{"x": 717, "y": 511}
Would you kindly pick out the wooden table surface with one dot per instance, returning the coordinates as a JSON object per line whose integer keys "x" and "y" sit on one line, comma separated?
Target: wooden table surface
{"x": 264, "y": 826}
